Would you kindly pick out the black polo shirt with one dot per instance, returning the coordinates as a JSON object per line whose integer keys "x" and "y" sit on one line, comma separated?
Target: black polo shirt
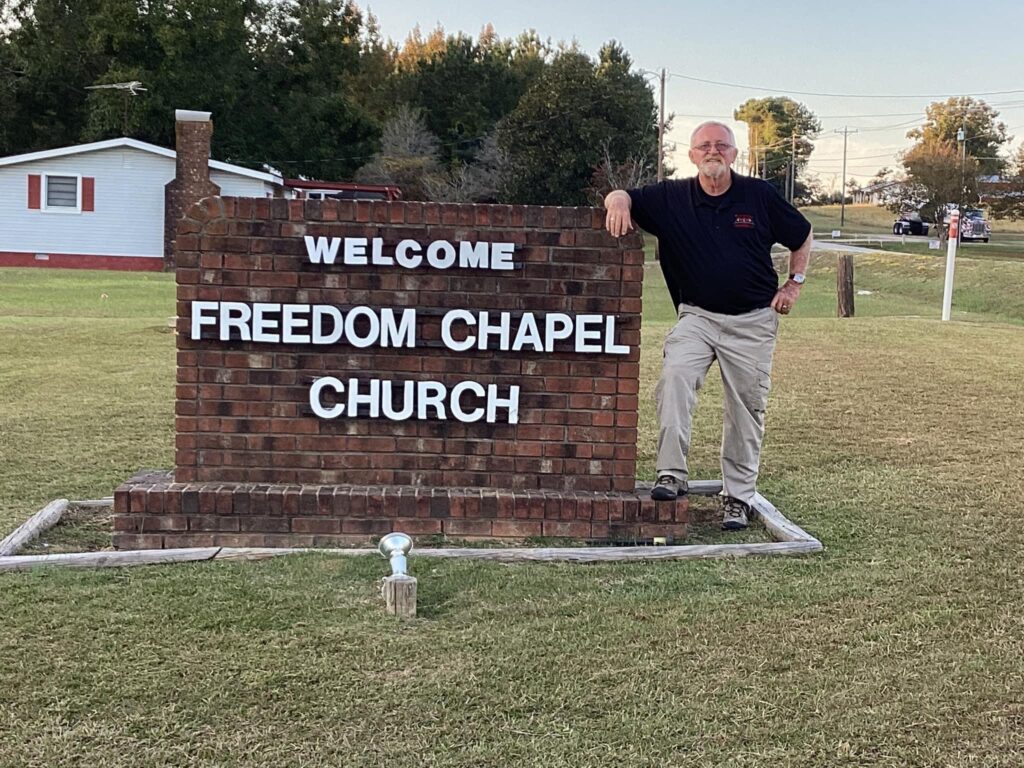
{"x": 716, "y": 251}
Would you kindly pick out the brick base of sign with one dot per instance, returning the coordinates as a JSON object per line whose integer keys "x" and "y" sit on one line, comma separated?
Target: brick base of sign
{"x": 153, "y": 512}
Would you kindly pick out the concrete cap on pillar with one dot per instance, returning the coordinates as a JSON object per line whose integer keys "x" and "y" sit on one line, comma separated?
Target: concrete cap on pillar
{"x": 191, "y": 116}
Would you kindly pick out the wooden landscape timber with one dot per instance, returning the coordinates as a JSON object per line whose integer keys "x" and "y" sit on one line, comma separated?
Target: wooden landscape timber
{"x": 399, "y": 592}
{"x": 790, "y": 539}
{"x": 45, "y": 518}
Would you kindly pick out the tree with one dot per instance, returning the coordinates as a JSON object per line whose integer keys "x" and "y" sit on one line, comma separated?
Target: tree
{"x": 408, "y": 156}
{"x": 373, "y": 86}
{"x": 984, "y": 135}
{"x": 49, "y": 61}
{"x": 636, "y": 170}
{"x": 462, "y": 86}
{"x": 310, "y": 124}
{"x": 1006, "y": 201}
{"x": 558, "y": 132}
{"x": 773, "y": 122}
{"x": 477, "y": 182}
{"x": 934, "y": 179}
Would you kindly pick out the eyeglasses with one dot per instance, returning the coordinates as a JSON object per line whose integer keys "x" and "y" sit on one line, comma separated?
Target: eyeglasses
{"x": 719, "y": 146}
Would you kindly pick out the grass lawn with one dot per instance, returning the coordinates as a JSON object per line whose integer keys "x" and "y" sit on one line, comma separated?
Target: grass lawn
{"x": 1008, "y": 247}
{"x": 893, "y": 437}
{"x": 874, "y": 219}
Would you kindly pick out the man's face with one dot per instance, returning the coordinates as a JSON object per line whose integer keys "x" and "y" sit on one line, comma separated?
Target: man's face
{"x": 713, "y": 152}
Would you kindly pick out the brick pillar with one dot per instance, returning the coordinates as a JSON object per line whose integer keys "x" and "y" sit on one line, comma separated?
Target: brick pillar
{"x": 191, "y": 182}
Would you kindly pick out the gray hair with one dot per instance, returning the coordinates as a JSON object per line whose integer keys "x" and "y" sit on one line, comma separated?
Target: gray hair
{"x": 710, "y": 123}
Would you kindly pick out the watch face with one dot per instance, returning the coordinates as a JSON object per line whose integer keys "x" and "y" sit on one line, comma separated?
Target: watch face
{"x": 797, "y": 278}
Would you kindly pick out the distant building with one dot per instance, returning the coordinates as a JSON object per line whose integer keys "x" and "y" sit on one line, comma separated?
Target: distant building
{"x": 102, "y": 205}
{"x": 875, "y": 193}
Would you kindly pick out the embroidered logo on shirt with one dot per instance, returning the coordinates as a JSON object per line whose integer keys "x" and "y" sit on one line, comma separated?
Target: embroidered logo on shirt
{"x": 743, "y": 221}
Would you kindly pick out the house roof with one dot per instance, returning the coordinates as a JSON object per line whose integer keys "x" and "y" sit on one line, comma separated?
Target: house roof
{"x": 125, "y": 142}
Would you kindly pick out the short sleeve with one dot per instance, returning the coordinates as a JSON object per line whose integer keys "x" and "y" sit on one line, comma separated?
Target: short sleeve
{"x": 647, "y": 207}
{"x": 789, "y": 227}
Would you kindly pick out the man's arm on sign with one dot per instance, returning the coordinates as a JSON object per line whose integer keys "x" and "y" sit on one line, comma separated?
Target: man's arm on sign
{"x": 617, "y": 220}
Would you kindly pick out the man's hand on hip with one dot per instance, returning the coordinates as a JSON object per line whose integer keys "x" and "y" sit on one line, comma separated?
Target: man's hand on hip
{"x": 617, "y": 219}
{"x": 785, "y": 297}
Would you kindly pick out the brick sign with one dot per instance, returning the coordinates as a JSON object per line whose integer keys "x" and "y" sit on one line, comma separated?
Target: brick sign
{"x": 368, "y": 366}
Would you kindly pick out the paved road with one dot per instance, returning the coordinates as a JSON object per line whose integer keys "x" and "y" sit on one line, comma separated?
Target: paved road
{"x": 852, "y": 242}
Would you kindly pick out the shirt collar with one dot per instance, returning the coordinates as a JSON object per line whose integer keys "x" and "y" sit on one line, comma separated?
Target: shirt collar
{"x": 736, "y": 191}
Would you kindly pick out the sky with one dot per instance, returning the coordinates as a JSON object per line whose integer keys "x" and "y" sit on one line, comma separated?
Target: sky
{"x": 870, "y": 66}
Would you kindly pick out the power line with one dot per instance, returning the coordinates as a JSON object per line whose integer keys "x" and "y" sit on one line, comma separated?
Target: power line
{"x": 839, "y": 95}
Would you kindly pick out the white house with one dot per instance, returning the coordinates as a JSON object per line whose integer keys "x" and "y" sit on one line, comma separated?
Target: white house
{"x": 101, "y": 205}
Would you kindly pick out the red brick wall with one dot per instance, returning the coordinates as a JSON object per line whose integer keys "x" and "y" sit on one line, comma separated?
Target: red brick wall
{"x": 191, "y": 180}
{"x": 242, "y": 411}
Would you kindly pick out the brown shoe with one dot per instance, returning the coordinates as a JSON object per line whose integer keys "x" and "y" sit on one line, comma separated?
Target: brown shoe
{"x": 734, "y": 514}
{"x": 668, "y": 488}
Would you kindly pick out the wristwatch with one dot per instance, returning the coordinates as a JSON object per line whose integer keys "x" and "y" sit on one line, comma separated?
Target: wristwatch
{"x": 798, "y": 278}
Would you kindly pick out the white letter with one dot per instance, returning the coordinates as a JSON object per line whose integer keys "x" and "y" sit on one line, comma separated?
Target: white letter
{"x": 407, "y": 401}
{"x": 406, "y": 260}
{"x": 378, "y": 258}
{"x": 448, "y": 257}
{"x": 588, "y": 340}
{"x": 494, "y": 402}
{"x": 227, "y": 322}
{"x": 501, "y": 255}
{"x": 371, "y": 398}
{"x": 502, "y": 329}
{"x": 350, "y": 327}
{"x": 473, "y": 256}
{"x": 321, "y": 250}
{"x": 557, "y": 325}
{"x": 315, "y": 402}
{"x": 393, "y": 335}
{"x": 198, "y": 321}
{"x": 334, "y": 313}
{"x": 609, "y": 338}
{"x": 457, "y": 411}
{"x": 355, "y": 250}
{"x": 528, "y": 333}
{"x": 262, "y": 325}
{"x": 430, "y": 394}
{"x": 290, "y": 324}
{"x": 446, "y": 330}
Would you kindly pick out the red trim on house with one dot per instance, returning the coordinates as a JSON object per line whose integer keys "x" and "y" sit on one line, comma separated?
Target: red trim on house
{"x": 390, "y": 191}
{"x": 35, "y": 185}
{"x": 88, "y": 193}
{"x": 82, "y": 261}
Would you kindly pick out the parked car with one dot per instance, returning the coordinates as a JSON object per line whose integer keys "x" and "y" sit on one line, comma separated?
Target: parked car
{"x": 910, "y": 224}
{"x": 973, "y": 225}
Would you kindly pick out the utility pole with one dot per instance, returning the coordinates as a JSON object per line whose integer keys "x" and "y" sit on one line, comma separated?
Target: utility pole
{"x": 792, "y": 168}
{"x": 842, "y": 184}
{"x": 661, "y": 131}
{"x": 961, "y": 136}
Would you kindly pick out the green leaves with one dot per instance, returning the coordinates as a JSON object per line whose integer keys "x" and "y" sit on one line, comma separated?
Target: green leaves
{"x": 774, "y": 122}
{"x": 557, "y": 134}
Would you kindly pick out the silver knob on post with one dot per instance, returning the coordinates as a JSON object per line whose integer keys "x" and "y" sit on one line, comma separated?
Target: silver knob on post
{"x": 395, "y": 546}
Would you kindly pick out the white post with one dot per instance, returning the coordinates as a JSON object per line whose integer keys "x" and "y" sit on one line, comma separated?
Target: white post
{"x": 954, "y": 236}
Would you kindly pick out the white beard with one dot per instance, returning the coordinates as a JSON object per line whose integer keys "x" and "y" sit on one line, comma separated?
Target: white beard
{"x": 714, "y": 169}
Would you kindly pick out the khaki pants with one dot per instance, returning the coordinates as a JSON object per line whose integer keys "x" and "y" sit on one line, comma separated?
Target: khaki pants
{"x": 743, "y": 345}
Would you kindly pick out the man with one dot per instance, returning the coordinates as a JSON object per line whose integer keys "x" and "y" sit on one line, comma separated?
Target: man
{"x": 715, "y": 232}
